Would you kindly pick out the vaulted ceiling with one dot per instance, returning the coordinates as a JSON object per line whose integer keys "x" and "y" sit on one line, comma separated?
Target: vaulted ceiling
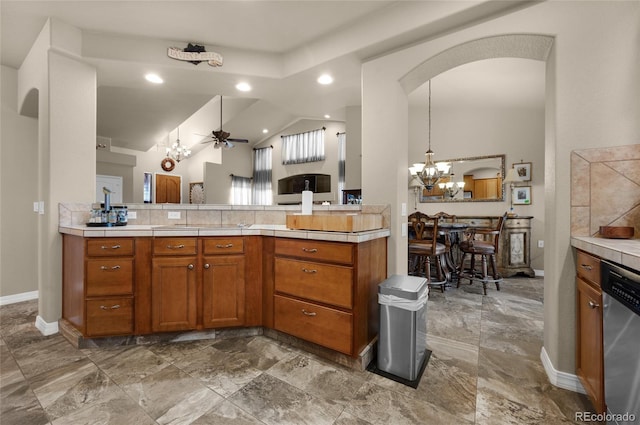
{"x": 278, "y": 47}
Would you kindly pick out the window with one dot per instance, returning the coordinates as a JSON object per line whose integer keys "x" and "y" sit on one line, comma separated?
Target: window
{"x": 342, "y": 159}
{"x": 240, "y": 190}
{"x": 262, "y": 165}
{"x": 303, "y": 147}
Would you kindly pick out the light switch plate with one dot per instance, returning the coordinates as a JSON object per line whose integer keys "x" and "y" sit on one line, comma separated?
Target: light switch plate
{"x": 403, "y": 213}
{"x": 132, "y": 214}
{"x": 174, "y": 215}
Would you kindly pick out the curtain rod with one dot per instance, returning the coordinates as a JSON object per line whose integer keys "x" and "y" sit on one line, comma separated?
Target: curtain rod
{"x": 233, "y": 175}
{"x": 285, "y": 135}
{"x": 339, "y": 133}
{"x": 266, "y": 147}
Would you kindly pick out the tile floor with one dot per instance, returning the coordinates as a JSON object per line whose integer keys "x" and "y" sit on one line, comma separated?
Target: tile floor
{"x": 485, "y": 369}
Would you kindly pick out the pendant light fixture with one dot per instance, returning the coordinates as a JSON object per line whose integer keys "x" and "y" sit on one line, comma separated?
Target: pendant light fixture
{"x": 177, "y": 151}
{"x": 431, "y": 172}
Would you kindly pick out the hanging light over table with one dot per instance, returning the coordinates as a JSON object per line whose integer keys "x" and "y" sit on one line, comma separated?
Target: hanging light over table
{"x": 177, "y": 151}
{"x": 431, "y": 172}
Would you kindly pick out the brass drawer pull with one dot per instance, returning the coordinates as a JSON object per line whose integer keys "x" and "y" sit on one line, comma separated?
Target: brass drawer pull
{"x": 587, "y": 267}
{"x": 310, "y": 270}
{"x": 593, "y": 305}
{"x": 113, "y": 307}
{"x": 106, "y": 268}
{"x": 308, "y": 313}
{"x": 175, "y": 246}
{"x": 311, "y": 250}
{"x": 110, "y": 247}
{"x": 229, "y": 245}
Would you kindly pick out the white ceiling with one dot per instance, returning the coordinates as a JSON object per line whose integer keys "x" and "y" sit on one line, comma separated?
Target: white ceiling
{"x": 279, "y": 47}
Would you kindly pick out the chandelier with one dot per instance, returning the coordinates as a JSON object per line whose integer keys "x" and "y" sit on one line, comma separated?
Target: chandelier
{"x": 177, "y": 151}
{"x": 451, "y": 188}
{"x": 431, "y": 172}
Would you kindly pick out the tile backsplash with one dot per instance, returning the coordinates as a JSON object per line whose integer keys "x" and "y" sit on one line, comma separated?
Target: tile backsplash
{"x": 605, "y": 189}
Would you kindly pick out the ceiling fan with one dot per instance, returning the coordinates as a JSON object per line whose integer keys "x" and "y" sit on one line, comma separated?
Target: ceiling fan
{"x": 220, "y": 138}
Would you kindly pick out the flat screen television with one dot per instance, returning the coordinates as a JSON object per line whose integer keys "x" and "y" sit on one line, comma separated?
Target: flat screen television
{"x": 318, "y": 183}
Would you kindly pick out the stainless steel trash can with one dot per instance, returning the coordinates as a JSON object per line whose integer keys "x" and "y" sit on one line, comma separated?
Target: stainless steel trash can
{"x": 402, "y": 339}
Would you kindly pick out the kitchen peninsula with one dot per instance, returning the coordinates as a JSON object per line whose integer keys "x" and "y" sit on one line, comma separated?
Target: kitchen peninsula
{"x": 219, "y": 270}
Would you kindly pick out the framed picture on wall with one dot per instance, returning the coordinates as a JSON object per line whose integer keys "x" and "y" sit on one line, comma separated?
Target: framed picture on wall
{"x": 521, "y": 195}
{"x": 523, "y": 170}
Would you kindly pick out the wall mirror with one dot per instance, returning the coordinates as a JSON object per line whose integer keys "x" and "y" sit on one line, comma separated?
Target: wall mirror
{"x": 482, "y": 177}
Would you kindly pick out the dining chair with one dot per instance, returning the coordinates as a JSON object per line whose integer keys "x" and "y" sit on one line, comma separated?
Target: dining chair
{"x": 425, "y": 251}
{"x": 486, "y": 248}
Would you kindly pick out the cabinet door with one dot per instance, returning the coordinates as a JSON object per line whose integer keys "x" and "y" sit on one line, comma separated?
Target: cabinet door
{"x": 173, "y": 294}
{"x": 589, "y": 358}
{"x": 223, "y": 298}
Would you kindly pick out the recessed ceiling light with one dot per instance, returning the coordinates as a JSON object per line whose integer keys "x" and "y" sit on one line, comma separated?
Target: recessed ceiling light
{"x": 243, "y": 86}
{"x": 265, "y": 131}
{"x": 325, "y": 79}
{"x": 327, "y": 116}
{"x": 154, "y": 78}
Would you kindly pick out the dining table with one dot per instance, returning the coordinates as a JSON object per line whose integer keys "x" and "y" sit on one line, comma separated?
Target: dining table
{"x": 452, "y": 234}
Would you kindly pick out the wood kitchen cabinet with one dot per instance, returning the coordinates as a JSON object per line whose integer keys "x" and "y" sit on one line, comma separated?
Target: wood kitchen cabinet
{"x": 174, "y": 280}
{"x": 98, "y": 285}
{"x": 197, "y": 283}
{"x": 223, "y": 283}
{"x": 326, "y": 292}
{"x": 589, "y": 336}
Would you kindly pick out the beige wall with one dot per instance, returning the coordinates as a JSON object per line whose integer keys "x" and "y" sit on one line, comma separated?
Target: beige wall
{"x": 516, "y": 133}
{"x": 18, "y": 191}
{"x": 66, "y": 108}
{"x": 591, "y": 100}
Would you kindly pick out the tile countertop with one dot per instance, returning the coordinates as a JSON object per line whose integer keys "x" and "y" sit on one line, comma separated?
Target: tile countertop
{"x": 621, "y": 251}
{"x": 137, "y": 230}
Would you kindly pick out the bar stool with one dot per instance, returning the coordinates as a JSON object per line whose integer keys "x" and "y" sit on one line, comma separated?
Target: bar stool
{"x": 487, "y": 249}
{"x": 425, "y": 248}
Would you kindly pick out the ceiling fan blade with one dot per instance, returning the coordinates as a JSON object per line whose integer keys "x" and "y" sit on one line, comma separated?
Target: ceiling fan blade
{"x": 238, "y": 140}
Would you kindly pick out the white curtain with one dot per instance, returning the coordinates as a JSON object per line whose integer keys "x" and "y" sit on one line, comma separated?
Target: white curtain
{"x": 342, "y": 159}
{"x": 303, "y": 147}
{"x": 262, "y": 166}
{"x": 240, "y": 190}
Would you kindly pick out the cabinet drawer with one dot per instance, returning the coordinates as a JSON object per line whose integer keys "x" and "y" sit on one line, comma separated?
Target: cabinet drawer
{"x": 109, "y": 247}
{"x": 324, "y": 326}
{"x": 109, "y": 277}
{"x": 588, "y": 267}
{"x": 315, "y": 281}
{"x": 110, "y": 316}
{"x": 517, "y": 223}
{"x": 175, "y": 246}
{"x": 315, "y": 250}
{"x": 222, "y": 246}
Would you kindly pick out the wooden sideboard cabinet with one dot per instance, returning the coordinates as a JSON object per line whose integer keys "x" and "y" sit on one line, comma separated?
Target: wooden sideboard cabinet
{"x": 98, "y": 285}
{"x": 515, "y": 247}
{"x": 589, "y": 336}
{"x": 326, "y": 292}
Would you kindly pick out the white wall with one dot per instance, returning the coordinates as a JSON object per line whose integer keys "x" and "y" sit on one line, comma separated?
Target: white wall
{"x": 217, "y": 177}
{"x": 18, "y": 191}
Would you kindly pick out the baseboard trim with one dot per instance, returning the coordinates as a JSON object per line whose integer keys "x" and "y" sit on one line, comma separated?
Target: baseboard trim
{"x": 564, "y": 380}
{"x": 17, "y": 298}
{"x": 45, "y": 328}
{"x": 538, "y": 273}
